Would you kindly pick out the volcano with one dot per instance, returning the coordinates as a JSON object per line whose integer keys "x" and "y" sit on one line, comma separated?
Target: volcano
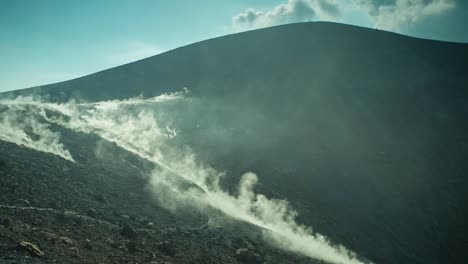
{"x": 302, "y": 143}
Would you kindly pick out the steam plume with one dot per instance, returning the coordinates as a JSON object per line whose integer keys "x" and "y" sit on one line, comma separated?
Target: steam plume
{"x": 20, "y": 123}
{"x": 146, "y": 128}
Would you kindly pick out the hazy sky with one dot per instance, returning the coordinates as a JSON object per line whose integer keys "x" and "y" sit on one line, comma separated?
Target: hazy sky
{"x": 45, "y": 41}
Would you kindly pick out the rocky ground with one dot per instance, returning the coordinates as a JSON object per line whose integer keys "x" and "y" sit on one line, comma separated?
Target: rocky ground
{"x": 99, "y": 210}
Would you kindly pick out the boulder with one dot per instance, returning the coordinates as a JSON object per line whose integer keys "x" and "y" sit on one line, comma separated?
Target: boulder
{"x": 167, "y": 248}
{"x": 33, "y": 248}
{"x": 247, "y": 255}
{"x": 129, "y": 232}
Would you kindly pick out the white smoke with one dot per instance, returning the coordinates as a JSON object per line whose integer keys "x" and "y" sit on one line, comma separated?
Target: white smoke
{"x": 145, "y": 127}
{"x": 20, "y": 124}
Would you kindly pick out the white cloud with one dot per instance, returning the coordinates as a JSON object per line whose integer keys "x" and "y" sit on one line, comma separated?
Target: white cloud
{"x": 290, "y": 12}
{"x": 394, "y": 15}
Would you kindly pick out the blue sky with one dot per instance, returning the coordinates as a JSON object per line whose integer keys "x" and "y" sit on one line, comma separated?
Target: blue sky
{"x": 46, "y": 41}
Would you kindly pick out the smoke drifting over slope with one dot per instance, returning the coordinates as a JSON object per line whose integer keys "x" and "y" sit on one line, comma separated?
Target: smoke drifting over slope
{"x": 149, "y": 128}
{"x": 21, "y": 122}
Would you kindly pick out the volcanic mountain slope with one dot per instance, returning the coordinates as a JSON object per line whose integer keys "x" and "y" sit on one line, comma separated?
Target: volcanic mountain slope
{"x": 363, "y": 131}
{"x": 101, "y": 211}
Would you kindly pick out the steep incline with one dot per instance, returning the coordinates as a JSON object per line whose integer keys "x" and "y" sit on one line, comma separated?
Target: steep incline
{"x": 364, "y": 131}
{"x": 283, "y": 59}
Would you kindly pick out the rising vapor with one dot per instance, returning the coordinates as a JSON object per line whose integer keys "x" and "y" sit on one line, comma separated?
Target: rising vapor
{"x": 21, "y": 123}
{"x": 147, "y": 128}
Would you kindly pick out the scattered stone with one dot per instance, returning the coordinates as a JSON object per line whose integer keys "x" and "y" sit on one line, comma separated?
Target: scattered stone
{"x": 100, "y": 198}
{"x": 88, "y": 245}
{"x": 78, "y": 221}
{"x": 49, "y": 236}
{"x": 247, "y": 256}
{"x": 249, "y": 245}
{"x": 53, "y": 205}
{"x": 61, "y": 216}
{"x": 74, "y": 252}
{"x": 132, "y": 246}
{"x": 126, "y": 217}
{"x": 167, "y": 248}
{"x": 66, "y": 240}
{"x": 143, "y": 220}
{"x": 5, "y": 222}
{"x": 112, "y": 243}
{"x": 128, "y": 231}
{"x": 228, "y": 243}
{"x": 91, "y": 213}
{"x": 33, "y": 248}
